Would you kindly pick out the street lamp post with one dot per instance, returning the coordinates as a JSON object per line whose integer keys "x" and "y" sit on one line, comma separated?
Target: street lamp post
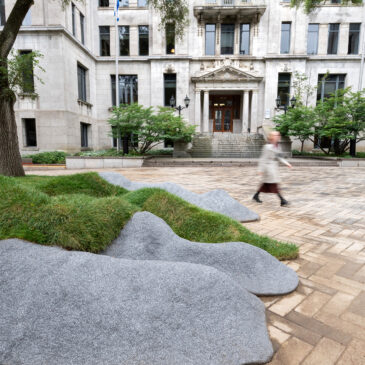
{"x": 292, "y": 103}
{"x": 179, "y": 108}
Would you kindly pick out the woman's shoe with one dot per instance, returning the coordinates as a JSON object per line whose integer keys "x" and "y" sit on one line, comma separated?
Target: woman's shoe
{"x": 256, "y": 198}
{"x": 284, "y": 203}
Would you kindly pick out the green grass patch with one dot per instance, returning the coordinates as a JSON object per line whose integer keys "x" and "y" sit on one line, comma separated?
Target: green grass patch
{"x": 73, "y": 221}
{"x": 84, "y": 212}
{"x": 90, "y": 184}
{"x": 196, "y": 224}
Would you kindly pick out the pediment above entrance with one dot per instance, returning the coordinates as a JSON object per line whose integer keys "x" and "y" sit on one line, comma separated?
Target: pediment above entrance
{"x": 226, "y": 73}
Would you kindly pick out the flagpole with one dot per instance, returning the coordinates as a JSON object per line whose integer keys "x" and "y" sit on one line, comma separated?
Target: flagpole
{"x": 116, "y": 15}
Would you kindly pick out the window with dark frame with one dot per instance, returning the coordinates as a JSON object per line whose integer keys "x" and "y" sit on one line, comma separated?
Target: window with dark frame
{"x": 103, "y": 3}
{"x": 354, "y": 38}
{"x": 104, "y": 34}
{"x": 81, "y": 79}
{"x": 245, "y": 39}
{"x": 82, "y": 28}
{"x": 210, "y": 39}
{"x": 2, "y": 12}
{"x": 227, "y": 38}
{"x": 73, "y": 11}
{"x": 123, "y": 40}
{"x": 285, "y": 37}
{"x": 27, "y": 74}
{"x": 128, "y": 89}
{"x": 312, "y": 41}
{"x": 284, "y": 88}
{"x": 143, "y": 40}
{"x": 30, "y": 132}
{"x": 333, "y": 32}
{"x": 169, "y": 88}
{"x": 170, "y": 38}
{"x": 329, "y": 84}
{"x": 84, "y": 129}
{"x": 335, "y": 1}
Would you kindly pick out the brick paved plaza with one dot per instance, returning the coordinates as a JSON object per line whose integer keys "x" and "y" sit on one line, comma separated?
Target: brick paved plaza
{"x": 323, "y": 321}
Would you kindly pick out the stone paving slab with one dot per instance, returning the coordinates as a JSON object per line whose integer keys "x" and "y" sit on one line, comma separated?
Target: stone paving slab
{"x": 326, "y": 219}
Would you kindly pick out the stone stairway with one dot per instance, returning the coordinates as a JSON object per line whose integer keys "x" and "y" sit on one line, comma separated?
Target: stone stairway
{"x": 227, "y": 145}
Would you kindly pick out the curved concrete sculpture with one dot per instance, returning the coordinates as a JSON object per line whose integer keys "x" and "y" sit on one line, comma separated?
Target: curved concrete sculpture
{"x": 216, "y": 200}
{"x": 59, "y": 307}
{"x": 148, "y": 237}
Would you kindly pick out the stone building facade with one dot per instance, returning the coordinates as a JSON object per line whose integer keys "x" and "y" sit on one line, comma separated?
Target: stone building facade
{"x": 236, "y": 57}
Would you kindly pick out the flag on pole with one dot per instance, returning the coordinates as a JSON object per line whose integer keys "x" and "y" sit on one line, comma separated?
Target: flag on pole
{"x": 116, "y": 10}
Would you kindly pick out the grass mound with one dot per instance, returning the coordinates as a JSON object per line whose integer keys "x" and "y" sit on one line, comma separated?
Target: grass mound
{"x": 77, "y": 221}
{"x": 84, "y": 212}
{"x": 89, "y": 183}
{"x": 196, "y": 224}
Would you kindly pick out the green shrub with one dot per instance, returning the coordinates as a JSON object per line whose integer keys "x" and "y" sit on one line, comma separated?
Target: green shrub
{"x": 55, "y": 157}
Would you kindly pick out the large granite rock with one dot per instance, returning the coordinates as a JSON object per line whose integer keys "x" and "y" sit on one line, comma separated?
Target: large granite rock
{"x": 147, "y": 237}
{"x": 216, "y": 200}
{"x": 60, "y": 308}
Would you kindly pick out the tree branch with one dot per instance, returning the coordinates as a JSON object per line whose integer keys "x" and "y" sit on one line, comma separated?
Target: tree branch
{"x": 12, "y": 26}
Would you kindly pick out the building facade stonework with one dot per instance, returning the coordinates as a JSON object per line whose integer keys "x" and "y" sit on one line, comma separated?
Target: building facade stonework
{"x": 234, "y": 60}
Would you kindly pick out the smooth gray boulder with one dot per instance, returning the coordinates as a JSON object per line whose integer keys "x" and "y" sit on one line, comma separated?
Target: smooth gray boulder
{"x": 218, "y": 201}
{"x": 148, "y": 237}
{"x": 60, "y": 308}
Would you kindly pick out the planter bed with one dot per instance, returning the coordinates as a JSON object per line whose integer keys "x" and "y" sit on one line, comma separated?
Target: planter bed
{"x": 341, "y": 162}
{"x": 91, "y": 162}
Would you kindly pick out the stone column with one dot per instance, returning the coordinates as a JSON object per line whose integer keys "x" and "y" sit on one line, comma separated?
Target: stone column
{"x": 343, "y": 39}
{"x": 245, "y": 111}
{"x": 198, "y": 111}
{"x": 254, "y": 112}
{"x": 206, "y": 112}
{"x": 323, "y": 39}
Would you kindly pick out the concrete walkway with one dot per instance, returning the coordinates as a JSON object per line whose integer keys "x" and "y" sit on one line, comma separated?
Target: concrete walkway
{"x": 323, "y": 321}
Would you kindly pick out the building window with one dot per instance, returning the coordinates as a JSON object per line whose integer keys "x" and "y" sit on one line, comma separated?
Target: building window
{"x": 285, "y": 37}
{"x": 29, "y": 132}
{"x": 84, "y": 129}
{"x": 329, "y": 84}
{"x": 284, "y": 88}
{"x": 333, "y": 30}
{"x": 104, "y": 3}
{"x": 227, "y": 38}
{"x": 81, "y": 79}
{"x": 124, "y": 3}
{"x": 169, "y": 87}
{"x": 245, "y": 39}
{"x": 104, "y": 32}
{"x": 142, "y": 3}
{"x": 354, "y": 37}
{"x": 170, "y": 38}
{"x": 27, "y": 74}
{"x": 312, "y": 43}
{"x": 210, "y": 39}
{"x": 73, "y": 11}
{"x": 82, "y": 28}
{"x": 27, "y": 21}
{"x": 128, "y": 89}
{"x": 335, "y": 1}
{"x": 2, "y": 12}
{"x": 143, "y": 40}
{"x": 124, "y": 40}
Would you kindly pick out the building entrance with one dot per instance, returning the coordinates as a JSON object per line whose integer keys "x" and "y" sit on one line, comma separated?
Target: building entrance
{"x": 224, "y": 108}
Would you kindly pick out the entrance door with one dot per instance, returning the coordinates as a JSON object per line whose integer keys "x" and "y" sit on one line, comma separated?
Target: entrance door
{"x": 224, "y": 111}
{"x": 222, "y": 121}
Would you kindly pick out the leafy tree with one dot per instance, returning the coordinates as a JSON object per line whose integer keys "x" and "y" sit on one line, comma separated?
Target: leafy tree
{"x": 10, "y": 159}
{"x": 150, "y": 127}
{"x": 310, "y": 5}
{"x": 303, "y": 89}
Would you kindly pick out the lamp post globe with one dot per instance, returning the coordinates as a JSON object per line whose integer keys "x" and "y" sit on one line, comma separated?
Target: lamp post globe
{"x": 172, "y": 101}
{"x": 187, "y": 101}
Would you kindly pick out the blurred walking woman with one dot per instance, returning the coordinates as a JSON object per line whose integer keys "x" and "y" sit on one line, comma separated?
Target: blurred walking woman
{"x": 269, "y": 168}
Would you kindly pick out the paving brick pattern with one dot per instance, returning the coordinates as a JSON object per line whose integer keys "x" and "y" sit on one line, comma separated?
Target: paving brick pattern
{"x": 323, "y": 321}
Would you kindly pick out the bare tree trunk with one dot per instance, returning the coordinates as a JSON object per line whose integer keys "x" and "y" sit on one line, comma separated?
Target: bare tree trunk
{"x": 10, "y": 159}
